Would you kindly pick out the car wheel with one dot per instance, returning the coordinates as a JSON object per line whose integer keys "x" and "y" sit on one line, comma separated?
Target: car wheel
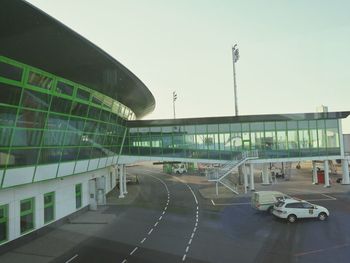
{"x": 270, "y": 209}
{"x": 177, "y": 172}
{"x": 322, "y": 216}
{"x": 291, "y": 218}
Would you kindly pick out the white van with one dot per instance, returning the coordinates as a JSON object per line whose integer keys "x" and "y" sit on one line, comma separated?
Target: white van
{"x": 180, "y": 168}
{"x": 264, "y": 200}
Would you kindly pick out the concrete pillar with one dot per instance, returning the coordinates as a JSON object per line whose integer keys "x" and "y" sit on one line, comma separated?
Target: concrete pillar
{"x": 124, "y": 173}
{"x": 251, "y": 172}
{"x": 345, "y": 164}
{"x": 245, "y": 178}
{"x": 265, "y": 175}
{"x": 326, "y": 174}
{"x": 121, "y": 184}
{"x": 314, "y": 173}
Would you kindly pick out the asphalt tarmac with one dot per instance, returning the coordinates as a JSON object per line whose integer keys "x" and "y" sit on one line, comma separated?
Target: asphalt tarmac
{"x": 164, "y": 219}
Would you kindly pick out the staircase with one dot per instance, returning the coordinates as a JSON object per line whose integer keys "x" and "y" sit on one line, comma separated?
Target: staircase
{"x": 221, "y": 174}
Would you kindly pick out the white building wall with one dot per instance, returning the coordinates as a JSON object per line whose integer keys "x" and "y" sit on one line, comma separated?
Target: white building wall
{"x": 64, "y": 189}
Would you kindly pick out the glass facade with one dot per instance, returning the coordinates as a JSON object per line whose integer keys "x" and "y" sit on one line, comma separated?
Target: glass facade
{"x": 27, "y": 215}
{"x": 45, "y": 119}
{"x": 224, "y": 141}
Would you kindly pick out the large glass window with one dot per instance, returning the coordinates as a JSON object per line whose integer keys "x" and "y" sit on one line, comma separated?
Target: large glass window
{"x": 10, "y": 72}
{"x": 304, "y": 138}
{"x": 7, "y": 116}
{"x": 9, "y": 94}
{"x": 27, "y": 215}
{"x": 78, "y": 196}
{"x": 39, "y": 80}
{"x": 64, "y": 88}
{"x": 83, "y": 95}
{"x": 22, "y": 157}
{"x": 35, "y": 100}
{"x": 292, "y": 127}
{"x": 3, "y": 223}
{"x": 31, "y": 119}
{"x": 332, "y": 137}
{"x": 322, "y": 140}
{"x": 49, "y": 207}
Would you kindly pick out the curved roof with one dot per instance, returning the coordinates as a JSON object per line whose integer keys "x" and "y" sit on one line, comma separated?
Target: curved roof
{"x": 29, "y": 35}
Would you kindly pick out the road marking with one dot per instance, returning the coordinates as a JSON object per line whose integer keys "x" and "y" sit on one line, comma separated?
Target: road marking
{"x": 192, "y": 235}
{"x": 187, "y": 248}
{"x": 195, "y": 229}
{"x": 212, "y": 202}
{"x": 132, "y": 252}
{"x": 320, "y": 250}
{"x": 197, "y": 207}
{"x": 160, "y": 218}
{"x": 190, "y": 241}
{"x": 331, "y": 197}
{"x": 72, "y": 258}
{"x": 184, "y": 257}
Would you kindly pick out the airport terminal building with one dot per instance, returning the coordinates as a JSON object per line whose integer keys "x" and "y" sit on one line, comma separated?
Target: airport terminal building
{"x": 70, "y": 119}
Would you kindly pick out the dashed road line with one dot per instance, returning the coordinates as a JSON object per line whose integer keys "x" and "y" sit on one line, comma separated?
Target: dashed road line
{"x": 132, "y": 252}
{"x": 196, "y": 224}
{"x": 160, "y": 218}
{"x": 72, "y": 258}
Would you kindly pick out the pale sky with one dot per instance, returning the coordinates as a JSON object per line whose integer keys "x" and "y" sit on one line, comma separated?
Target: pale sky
{"x": 294, "y": 55}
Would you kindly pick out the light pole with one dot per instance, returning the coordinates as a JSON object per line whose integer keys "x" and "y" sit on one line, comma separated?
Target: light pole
{"x": 174, "y": 98}
{"x": 235, "y": 57}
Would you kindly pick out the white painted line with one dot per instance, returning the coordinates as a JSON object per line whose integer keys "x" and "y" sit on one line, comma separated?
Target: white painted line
{"x": 195, "y": 229}
{"x": 320, "y": 199}
{"x": 160, "y": 218}
{"x": 196, "y": 224}
{"x": 212, "y": 202}
{"x": 197, "y": 219}
{"x": 163, "y": 213}
{"x": 72, "y": 258}
{"x": 132, "y": 252}
{"x": 197, "y": 212}
{"x": 197, "y": 207}
{"x": 184, "y": 257}
{"x": 143, "y": 240}
{"x": 192, "y": 235}
{"x": 166, "y": 208}
{"x": 189, "y": 242}
{"x": 150, "y": 231}
{"x": 331, "y": 197}
{"x": 124, "y": 261}
{"x": 156, "y": 224}
{"x": 187, "y": 248}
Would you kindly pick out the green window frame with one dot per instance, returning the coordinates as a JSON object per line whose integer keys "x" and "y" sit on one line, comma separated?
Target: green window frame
{"x": 78, "y": 199}
{"x": 27, "y": 209}
{"x": 3, "y": 223}
{"x": 49, "y": 207}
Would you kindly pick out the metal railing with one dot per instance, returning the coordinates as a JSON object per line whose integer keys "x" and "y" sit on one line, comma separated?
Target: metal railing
{"x": 220, "y": 174}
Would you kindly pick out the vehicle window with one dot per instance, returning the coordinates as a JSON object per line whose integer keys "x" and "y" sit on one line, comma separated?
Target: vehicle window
{"x": 308, "y": 206}
{"x": 279, "y": 204}
{"x": 295, "y": 205}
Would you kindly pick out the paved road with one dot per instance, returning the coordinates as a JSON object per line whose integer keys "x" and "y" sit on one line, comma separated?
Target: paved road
{"x": 163, "y": 219}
